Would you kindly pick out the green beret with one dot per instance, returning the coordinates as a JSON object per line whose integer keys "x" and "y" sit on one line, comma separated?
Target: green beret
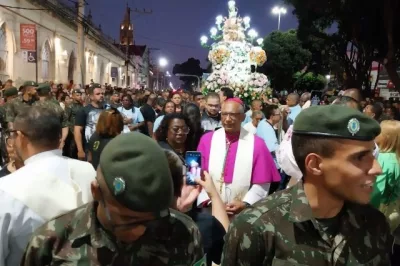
{"x": 77, "y": 91}
{"x": 94, "y": 86}
{"x": 137, "y": 173}
{"x": 10, "y": 92}
{"x": 336, "y": 121}
{"x": 30, "y": 83}
{"x": 44, "y": 88}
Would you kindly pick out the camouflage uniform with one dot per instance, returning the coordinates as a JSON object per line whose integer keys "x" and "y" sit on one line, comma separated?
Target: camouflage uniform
{"x": 55, "y": 106}
{"x": 77, "y": 238}
{"x": 15, "y": 106}
{"x": 281, "y": 230}
{"x": 71, "y": 112}
{"x": 70, "y": 148}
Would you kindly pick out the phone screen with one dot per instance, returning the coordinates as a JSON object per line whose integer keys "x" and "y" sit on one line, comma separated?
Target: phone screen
{"x": 193, "y": 163}
{"x": 316, "y": 97}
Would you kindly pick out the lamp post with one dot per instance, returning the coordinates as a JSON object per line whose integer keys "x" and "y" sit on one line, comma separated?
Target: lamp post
{"x": 161, "y": 64}
{"x": 194, "y": 76}
{"x": 279, "y": 11}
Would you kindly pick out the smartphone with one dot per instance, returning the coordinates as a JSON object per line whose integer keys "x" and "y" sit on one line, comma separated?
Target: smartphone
{"x": 316, "y": 98}
{"x": 193, "y": 164}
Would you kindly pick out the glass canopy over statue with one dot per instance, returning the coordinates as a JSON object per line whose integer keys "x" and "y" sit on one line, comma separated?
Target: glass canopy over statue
{"x": 234, "y": 51}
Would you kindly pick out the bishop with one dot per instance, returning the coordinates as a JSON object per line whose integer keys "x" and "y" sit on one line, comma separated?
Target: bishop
{"x": 239, "y": 162}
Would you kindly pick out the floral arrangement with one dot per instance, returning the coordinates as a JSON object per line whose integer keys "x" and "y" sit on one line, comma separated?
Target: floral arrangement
{"x": 215, "y": 81}
{"x": 218, "y": 55}
{"x": 258, "y": 82}
{"x": 258, "y": 56}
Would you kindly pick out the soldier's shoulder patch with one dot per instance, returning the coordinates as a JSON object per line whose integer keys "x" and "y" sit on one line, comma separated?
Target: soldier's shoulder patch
{"x": 202, "y": 262}
{"x": 96, "y": 145}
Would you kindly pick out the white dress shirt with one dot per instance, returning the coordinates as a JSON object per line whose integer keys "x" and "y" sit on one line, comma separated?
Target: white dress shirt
{"x": 19, "y": 218}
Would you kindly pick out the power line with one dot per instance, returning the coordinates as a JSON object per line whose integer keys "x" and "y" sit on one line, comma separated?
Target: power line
{"x": 167, "y": 42}
{"x": 23, "y": 8}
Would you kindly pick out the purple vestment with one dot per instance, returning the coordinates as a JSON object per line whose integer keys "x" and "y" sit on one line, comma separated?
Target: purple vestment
{"x": 264, "y": 170}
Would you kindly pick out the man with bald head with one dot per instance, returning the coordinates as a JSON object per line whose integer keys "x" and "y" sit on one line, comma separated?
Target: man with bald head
{"x": 305, "y": 100}
{"x": 239, "y": 162}
{"x": 256, "y": 105}
{"x": 293, "y": 103}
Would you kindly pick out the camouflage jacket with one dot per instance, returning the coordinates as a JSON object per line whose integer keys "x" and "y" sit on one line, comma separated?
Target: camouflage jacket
{"x": 76, "y": 238}
{"x": 281, "y": 230}
{"x": 55, "y": 106}
{"x": 15, "y": 106}
{"x": 71, "y": 112}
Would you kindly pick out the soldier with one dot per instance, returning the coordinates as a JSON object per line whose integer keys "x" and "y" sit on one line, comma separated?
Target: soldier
{"x": 28, "y": 97}
{"x": 9, "y": 94}
{"x": 129, "y": 222}
{"x": 43, "y": 92}
{"x": 71, "y": 111}
{"x": 324, "y": 219}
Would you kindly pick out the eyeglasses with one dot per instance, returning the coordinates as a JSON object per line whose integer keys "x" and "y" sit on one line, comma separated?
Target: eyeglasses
{"x": 231, "y": 115}
{"x": 347, "y": 98}
{"x": 184, "y": 130}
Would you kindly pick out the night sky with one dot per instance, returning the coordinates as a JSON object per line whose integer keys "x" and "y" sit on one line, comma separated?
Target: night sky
{"x": 175, "y": 26}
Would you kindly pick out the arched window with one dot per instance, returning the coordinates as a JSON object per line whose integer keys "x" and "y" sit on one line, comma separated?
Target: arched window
{"x": 71, "y": 66}
{"x": 3, "y": 53}
{"x": 90, "y": 66}
{"x": 102, "y": 72}
{"x": 45, "y": 61}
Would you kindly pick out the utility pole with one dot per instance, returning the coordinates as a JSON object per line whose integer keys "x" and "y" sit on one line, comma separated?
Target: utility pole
{"x": 157, "y": 67}
{"x": 127, "y": 35}
{"x": 81, "y": 41}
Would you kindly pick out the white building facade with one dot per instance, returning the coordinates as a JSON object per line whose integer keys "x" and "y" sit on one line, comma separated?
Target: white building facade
{"x": 57, "y": 48}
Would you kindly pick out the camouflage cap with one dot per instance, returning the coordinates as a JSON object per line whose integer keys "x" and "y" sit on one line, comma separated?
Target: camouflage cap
{"x": 10, "y": 92}
{"x": 94, "y": 86}
{"x": 44, "y": 88}
{"x": 137, "y": 174}
{"x": 30, "y": 83}
{"x": 77, "y": 91}
{"x": 336, "y": 121}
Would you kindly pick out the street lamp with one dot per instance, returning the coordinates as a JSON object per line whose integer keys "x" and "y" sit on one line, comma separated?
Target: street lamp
{"x": 279, "y": 11}
{"x": 194, "y": 76}
{"x": 162, "y": 63}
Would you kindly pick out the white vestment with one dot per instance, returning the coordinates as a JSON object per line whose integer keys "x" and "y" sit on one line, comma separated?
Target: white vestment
{"x": 241, "y": 188}
{"x": 47, "y": 186}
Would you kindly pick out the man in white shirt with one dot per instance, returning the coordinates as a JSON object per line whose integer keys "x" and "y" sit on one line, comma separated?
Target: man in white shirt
{"x": 47, "y": 186}
{"x": 251, "y": 126}
{"x": 133, "y": 118}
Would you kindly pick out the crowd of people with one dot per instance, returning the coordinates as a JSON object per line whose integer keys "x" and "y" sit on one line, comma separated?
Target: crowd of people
{"x": 98, "y": 176}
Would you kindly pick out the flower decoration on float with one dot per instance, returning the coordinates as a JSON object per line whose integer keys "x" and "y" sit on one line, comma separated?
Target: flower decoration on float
{"x": 233, "y": 51}
{"x": 258, "y": 56}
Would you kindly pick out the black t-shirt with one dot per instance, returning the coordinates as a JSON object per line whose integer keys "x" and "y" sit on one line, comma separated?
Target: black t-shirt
{"x": 87, "y": 118}
{"x": 95, "y": 147}
{"x": 4, "y": 171}
{"x": 212, "y": 234}
{"x": 149, "y": 115}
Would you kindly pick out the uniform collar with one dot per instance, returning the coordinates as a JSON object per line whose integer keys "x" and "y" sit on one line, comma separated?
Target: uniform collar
{"x": 43, "y": 155}
{"x": 300, "y": 209}
{"x": 88, "y": 230}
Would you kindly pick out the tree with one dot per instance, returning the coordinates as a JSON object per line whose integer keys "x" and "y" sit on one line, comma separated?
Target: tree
{"x": 363, "y": 32}
{"x": 309, "y": 81}
{"x": 190, "y": 67}
{"x": 286, "y": 56}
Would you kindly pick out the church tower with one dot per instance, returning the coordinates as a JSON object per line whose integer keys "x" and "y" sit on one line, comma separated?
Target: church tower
{"x": 126, "y": 31}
